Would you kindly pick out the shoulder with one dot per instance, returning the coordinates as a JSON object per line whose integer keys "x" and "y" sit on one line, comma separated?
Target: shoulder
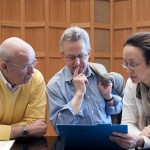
{"x": 37, "y": 76}
{"x": 130, "y": 87}
{"x": 98, "y": 68}
{"x": 58, "y": 77}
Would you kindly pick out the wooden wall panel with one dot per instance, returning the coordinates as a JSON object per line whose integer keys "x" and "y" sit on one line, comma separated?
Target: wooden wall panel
{"x": 102, "y": 11}
{"x": 129, "y": 16}
{"x": 55, "y": 64}
{"x": 57, "y": 11}
{"x": 41, "y": 65}
{"x": 143, "y": 10}
{"x": 7, "y": 32}
{"x": 34, "y": 10}
{"x": 36, "y": 37}
{"x": 122, "y": 11}
{"x": 79, "y": 11}
{"x": 120, "y": 36}
{"x": 54, "y": 39}
{"x": 41, "y": 23}
{"x": 10, "y": 10}
{"x": 102, "y": 40}
{"x": 104, "y": 61}
{"x": 139, "y": 29}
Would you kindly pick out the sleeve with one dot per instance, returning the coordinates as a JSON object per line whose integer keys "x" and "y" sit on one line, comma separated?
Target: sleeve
{"x": 60, "y": 111}
{"x": 5, "y": 131}
{"x": 116, "y": 109}
{"x": 146, "y": 142}
{"x": 130, "y": 111}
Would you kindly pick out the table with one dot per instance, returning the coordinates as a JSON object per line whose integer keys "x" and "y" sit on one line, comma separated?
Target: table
{"x": 44, "y": 143}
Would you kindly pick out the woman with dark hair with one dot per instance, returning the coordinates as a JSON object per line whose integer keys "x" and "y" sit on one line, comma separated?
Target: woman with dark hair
{"x": 136, "y": 101}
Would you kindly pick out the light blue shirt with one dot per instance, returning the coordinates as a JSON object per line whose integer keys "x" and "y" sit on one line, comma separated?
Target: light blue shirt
{"x": 94, "y": 109}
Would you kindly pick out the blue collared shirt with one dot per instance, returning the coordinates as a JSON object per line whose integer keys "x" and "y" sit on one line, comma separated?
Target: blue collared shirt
{"x": 93, "y": 110}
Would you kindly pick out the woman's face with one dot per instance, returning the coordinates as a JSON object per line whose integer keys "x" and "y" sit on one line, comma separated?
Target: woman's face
{"x": 137, "y": 68}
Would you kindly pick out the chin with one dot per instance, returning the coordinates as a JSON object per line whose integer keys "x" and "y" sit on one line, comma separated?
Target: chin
{"x": 26, "y": 81}
{"x": 135, "y": 80}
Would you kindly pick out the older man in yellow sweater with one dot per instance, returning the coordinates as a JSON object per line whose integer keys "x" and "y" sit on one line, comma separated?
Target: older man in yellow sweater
{"x": 22, "y": 92}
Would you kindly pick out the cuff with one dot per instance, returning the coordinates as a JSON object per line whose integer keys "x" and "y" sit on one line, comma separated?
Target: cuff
{"x": 146, "y": 142}
{"x": 5, "y": 131}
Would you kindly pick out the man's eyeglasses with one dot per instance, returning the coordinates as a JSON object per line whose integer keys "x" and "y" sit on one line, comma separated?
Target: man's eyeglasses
{"x": 72, "y": 57}
{"x": 26, "y": 67}
{"x": 132, "y": 65}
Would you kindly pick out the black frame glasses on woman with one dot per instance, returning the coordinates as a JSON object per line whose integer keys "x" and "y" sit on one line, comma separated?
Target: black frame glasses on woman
{"x": 23, "y": 68}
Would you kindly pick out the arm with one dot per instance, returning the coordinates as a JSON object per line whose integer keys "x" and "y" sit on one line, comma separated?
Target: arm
{"x": 130, "y": 117}
{"x": 79, "y": 82}
{"x": 36, "y": 129}
{"x": 130, "y": 112}
{"x": 114, "y": 106}
{"x": 65, "y": 99}
{"x": 28, "y": 110}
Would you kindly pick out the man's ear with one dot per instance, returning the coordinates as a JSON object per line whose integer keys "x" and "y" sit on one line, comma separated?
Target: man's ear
{"x": 89, "y": 53}
{"x": 3, "y": 66}
{"x": 62, "y": 54}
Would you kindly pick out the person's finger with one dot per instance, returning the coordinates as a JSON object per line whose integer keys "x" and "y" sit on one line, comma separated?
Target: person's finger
{"x": 76, "y": 71}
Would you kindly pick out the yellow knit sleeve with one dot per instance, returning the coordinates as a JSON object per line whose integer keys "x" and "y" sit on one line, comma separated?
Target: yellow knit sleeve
{"x": 5, "y": 131}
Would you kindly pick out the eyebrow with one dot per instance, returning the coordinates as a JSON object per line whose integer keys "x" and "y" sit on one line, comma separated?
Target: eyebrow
{"x": 131, "y": 59}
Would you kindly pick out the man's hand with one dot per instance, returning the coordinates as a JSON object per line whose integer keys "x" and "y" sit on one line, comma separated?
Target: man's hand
{"x": 79, "y": 81}
{"x": 37, "y": 128}
{"x": 105, "y": 90}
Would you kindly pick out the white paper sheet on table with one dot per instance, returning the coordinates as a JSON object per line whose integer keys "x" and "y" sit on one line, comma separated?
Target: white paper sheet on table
{"x": 6, "y": 145}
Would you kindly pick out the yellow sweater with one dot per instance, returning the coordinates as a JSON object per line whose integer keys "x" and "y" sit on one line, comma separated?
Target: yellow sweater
{"x": 24, "y": 106}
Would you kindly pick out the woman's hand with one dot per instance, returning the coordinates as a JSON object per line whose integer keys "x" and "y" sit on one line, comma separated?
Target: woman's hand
{"x": 146, "y": 131}
{"x": 127, "y": 141}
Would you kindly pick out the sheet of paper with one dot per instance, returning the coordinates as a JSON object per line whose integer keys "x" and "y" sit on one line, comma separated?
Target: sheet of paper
{"x": 6, "y": 145}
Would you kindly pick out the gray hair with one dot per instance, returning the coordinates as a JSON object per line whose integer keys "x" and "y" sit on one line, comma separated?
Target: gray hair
{"x": 5, "y": 53}
{"x": 74, "y": 34}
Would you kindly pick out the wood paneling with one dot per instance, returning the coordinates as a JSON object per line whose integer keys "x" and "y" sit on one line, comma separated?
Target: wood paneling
{"x": 10, "y": 10}
{"x": 79, "y": 11}
{"x": 102, "y": 40}
{"x": 54, "y": 33}
{"x": 41, "y": 23}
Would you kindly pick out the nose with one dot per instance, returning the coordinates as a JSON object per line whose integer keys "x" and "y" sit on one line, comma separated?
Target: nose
{"x": 129, "y": 70}
{"x": 30, "y": 69}
{"x": 77, "y": 61}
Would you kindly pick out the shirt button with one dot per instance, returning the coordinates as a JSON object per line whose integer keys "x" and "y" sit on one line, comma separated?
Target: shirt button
{"x": 88, "y": 97}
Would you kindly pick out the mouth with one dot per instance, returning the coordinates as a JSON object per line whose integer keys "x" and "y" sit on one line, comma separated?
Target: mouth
{"x": 81, "y": 70}
{"x": 133, "y": 77}
{"x": 28, "y": 77}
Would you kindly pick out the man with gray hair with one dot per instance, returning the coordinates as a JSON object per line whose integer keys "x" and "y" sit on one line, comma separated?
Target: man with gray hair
{"x": 75, "y": 94}
{"x": 22, "y": 92}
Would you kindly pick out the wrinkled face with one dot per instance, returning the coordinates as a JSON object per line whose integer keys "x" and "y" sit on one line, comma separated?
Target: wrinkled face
{"x": 76, "y": 55}
{"x": 19, "y": 70}
{"x": 135, "y": 63}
